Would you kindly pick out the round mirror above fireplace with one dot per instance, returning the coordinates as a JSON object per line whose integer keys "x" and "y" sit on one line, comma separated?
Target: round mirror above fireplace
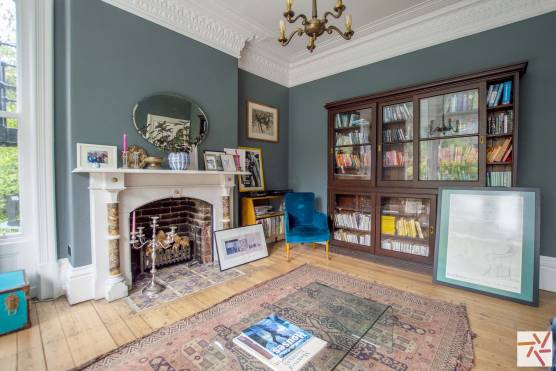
{"x": 170, "y": 122}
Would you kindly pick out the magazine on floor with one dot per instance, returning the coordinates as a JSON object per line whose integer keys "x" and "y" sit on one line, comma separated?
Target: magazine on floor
{"x": 279, "y": 344}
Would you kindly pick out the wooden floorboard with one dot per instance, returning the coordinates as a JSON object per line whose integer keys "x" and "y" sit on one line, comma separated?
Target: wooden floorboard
{"x": 65, "y": 336}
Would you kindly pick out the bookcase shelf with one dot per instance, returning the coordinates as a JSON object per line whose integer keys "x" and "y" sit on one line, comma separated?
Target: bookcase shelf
{"x": 460, "y": 131}
{"x": 265, "y": 210}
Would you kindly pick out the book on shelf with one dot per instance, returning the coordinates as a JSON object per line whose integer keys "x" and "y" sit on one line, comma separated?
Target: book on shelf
{"x": 465, "y": 101}
{"x": 354, "y": 137}
{"x": 396, "y": 135}
{"x": 262, "y": 210}
{"x": 348, "y": 120}
{"x": 279, "y": 344}
{"x": 272, "y": 226}
{"x": 500, "y": 122}
{"x": 499, "y": 94}
{"x": 398, "y": 112}
{"x": 347, "y": 236}
{"x": 405, "y": 247}
{"x": 353, "y": 220}
{"x": 401, "y": 227}
{"x": 452, "y": 153}
{"x": 354, "y": 160}
{"x": 393, "y": 158}
{"x": 499, "y": 151}
{"x": 499, "y": 178}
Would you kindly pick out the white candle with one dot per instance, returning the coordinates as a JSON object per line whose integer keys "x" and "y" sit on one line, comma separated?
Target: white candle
{"x": 348, "y": 22}
{"x": 133, "y": 222}
{"x": 288, "y": 5}
{"x": 282, "y": 28}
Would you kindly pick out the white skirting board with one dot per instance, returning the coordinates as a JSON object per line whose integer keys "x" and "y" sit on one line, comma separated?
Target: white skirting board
{"x": 79, "y": 282}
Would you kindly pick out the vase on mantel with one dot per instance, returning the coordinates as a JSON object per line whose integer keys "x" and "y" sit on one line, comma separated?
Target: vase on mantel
{"x": 178, "y": 160}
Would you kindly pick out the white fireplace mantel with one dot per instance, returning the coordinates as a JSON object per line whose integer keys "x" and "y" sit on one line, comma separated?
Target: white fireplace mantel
{"x": 115, "y": 193}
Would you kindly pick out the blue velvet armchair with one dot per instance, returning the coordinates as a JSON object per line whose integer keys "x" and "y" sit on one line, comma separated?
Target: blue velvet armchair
{"x": 303, "y": 223}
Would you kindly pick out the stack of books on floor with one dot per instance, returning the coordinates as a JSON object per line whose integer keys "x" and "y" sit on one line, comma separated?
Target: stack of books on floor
{"x": 279, "y": 344}
{"x": 499, "y": 179}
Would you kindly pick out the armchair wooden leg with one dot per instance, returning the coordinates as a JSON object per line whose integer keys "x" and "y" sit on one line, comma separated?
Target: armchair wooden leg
{"x": 314, "y": 245}
{"x": 288, "y": 251}
{"x": 327, "y": 248}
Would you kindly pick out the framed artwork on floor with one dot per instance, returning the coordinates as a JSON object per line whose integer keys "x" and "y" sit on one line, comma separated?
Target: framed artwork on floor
{"x": 487, "y": 241}
{"x": 254, "y": 181}
{"x": 262, "y": 122}
{"x": 97, "y": 156}
{"x": 237, "y": 246}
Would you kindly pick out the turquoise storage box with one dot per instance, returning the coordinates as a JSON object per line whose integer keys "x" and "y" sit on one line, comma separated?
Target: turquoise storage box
{"x": 14, "y": 302}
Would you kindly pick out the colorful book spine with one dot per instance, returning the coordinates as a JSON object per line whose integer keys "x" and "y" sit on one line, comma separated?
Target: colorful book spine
{"x": 507, "y": 95}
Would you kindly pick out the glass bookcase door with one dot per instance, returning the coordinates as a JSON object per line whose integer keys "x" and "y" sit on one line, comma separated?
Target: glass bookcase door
{"x": 353, "y": 148}
{"x": 353, "y": 220}
{"x": 397, "y": 142}
{"x": 406, "y": 227}
{"x": 449, "y": 137}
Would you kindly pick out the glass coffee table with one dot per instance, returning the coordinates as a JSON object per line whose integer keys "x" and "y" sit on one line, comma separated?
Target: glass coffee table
{"x": 350, "y": 325}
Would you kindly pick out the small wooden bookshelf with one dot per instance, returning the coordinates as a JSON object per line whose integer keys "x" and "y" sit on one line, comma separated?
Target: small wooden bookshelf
{"x": 265, "y": 210}
{"x": 395, "y": 149}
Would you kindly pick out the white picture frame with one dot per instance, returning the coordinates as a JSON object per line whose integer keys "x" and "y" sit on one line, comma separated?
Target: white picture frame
{"x": 228, "y": 162}
{"x": 96, "y": 156}
{"x": 238, "y": 246}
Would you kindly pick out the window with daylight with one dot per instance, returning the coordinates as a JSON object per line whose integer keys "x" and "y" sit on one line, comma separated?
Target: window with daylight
{"x": 9, "y": 120}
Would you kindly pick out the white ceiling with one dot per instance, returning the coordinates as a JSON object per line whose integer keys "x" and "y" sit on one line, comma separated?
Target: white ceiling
{"x": 248, "y": 29}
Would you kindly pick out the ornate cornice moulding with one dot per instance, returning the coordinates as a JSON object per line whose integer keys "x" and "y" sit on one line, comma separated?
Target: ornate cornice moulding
{"x": 433, "y": 22}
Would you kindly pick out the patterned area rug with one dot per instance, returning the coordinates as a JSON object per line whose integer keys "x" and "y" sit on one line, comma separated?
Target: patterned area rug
{"x": 428, "y": 334}
{"x": 180, "y": 280}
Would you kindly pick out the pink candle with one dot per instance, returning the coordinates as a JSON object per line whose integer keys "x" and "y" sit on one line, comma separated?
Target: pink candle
{"x": 125, "y": 142}
{"x": 133, "y": 222}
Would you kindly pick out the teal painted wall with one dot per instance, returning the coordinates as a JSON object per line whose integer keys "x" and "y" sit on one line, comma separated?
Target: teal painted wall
{"x": 275, "y": 155}
{"x": 533, "y": 40}
{"x": 105, "y": 61}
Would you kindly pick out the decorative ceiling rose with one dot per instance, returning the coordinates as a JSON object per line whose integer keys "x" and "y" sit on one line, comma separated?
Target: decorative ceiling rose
{"x": 314, "y": 27}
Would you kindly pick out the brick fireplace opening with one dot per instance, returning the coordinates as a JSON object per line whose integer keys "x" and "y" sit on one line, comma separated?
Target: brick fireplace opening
{"x": 193, "y": 221}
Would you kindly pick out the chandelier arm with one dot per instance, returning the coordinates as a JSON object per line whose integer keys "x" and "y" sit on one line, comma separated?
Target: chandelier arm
{"x": 293, "y": 20}
{"x": 285, "y": 42}
{"x": 336, "y": 15}
{"x": 346, "y": 35}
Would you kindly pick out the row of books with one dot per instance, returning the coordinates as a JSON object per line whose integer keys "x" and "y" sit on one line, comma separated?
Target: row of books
{"x": 273, "y": 226}
{"x": 399, "y": 112}
{"x": 393, "y": 158}
{"x": 351, "y": 160}
{"x": 401, "y": 227}
{"x": 262, "y": 210}
{"x": 405, "y": 247}
{"x": 354, "y": 137}
{"x": 358, "y": 221}
{"x": 279, "y": 344}
{"x": 397, "y": 135}
{"x": 464, "y": 101}
{"x": 346, "y": 236}
{"x": 404, "y": 205}
{"x": 455, "y": 153}
{"x": 499, "y": 94}
{"x": 499, "y": 178}
{"x": 348, "y": 120}
{"x": 500, "y": 122}
{"x": 500, "y": 152}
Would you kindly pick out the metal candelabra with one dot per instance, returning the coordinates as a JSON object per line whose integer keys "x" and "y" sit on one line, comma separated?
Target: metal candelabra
{"x": 138, "y": 241}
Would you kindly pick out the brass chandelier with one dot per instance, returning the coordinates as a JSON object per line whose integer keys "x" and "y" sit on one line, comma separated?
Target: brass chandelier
{"x": 314, "y": 27}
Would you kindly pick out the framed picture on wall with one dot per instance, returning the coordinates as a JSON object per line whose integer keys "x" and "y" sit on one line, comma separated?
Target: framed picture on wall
{"x": 96, "y": 156}
{"x": 254, "y": 181}
{"x": 487, "y": 241}
{"x": 237, "y": 246}
{"x": 262, "y": 122}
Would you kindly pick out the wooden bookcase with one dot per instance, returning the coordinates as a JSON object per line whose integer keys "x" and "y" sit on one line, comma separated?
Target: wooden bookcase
{"x": 390, "y": 152}
{"x": 272, "y": 217}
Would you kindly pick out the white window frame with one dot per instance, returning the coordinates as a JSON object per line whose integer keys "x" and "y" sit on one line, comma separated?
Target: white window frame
{"x": 34, "y": 248}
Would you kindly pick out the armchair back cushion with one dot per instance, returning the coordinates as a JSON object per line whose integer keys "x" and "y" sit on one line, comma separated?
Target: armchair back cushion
{"x": 303, "y": 222}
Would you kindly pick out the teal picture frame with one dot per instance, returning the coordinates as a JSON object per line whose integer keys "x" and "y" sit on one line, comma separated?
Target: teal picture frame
{"x": 530, "y": 242}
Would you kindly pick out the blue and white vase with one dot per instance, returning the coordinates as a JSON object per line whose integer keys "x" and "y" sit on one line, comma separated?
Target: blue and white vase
{"x": 178, "y": 160}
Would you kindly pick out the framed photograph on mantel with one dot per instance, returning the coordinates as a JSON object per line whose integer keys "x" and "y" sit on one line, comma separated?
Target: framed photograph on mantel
{"x": 253, "y": 163}
{"x": 237, "y": 246}
{"x": 262, "y": 122}
{"x": 96, "y": 156}
{"x": 487, "y": 241}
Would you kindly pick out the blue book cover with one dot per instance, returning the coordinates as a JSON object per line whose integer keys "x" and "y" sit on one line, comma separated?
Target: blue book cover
{"x": 277, "y": 335}
{"x": 498, "y": 95}
{"x": 507, "y": 92}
